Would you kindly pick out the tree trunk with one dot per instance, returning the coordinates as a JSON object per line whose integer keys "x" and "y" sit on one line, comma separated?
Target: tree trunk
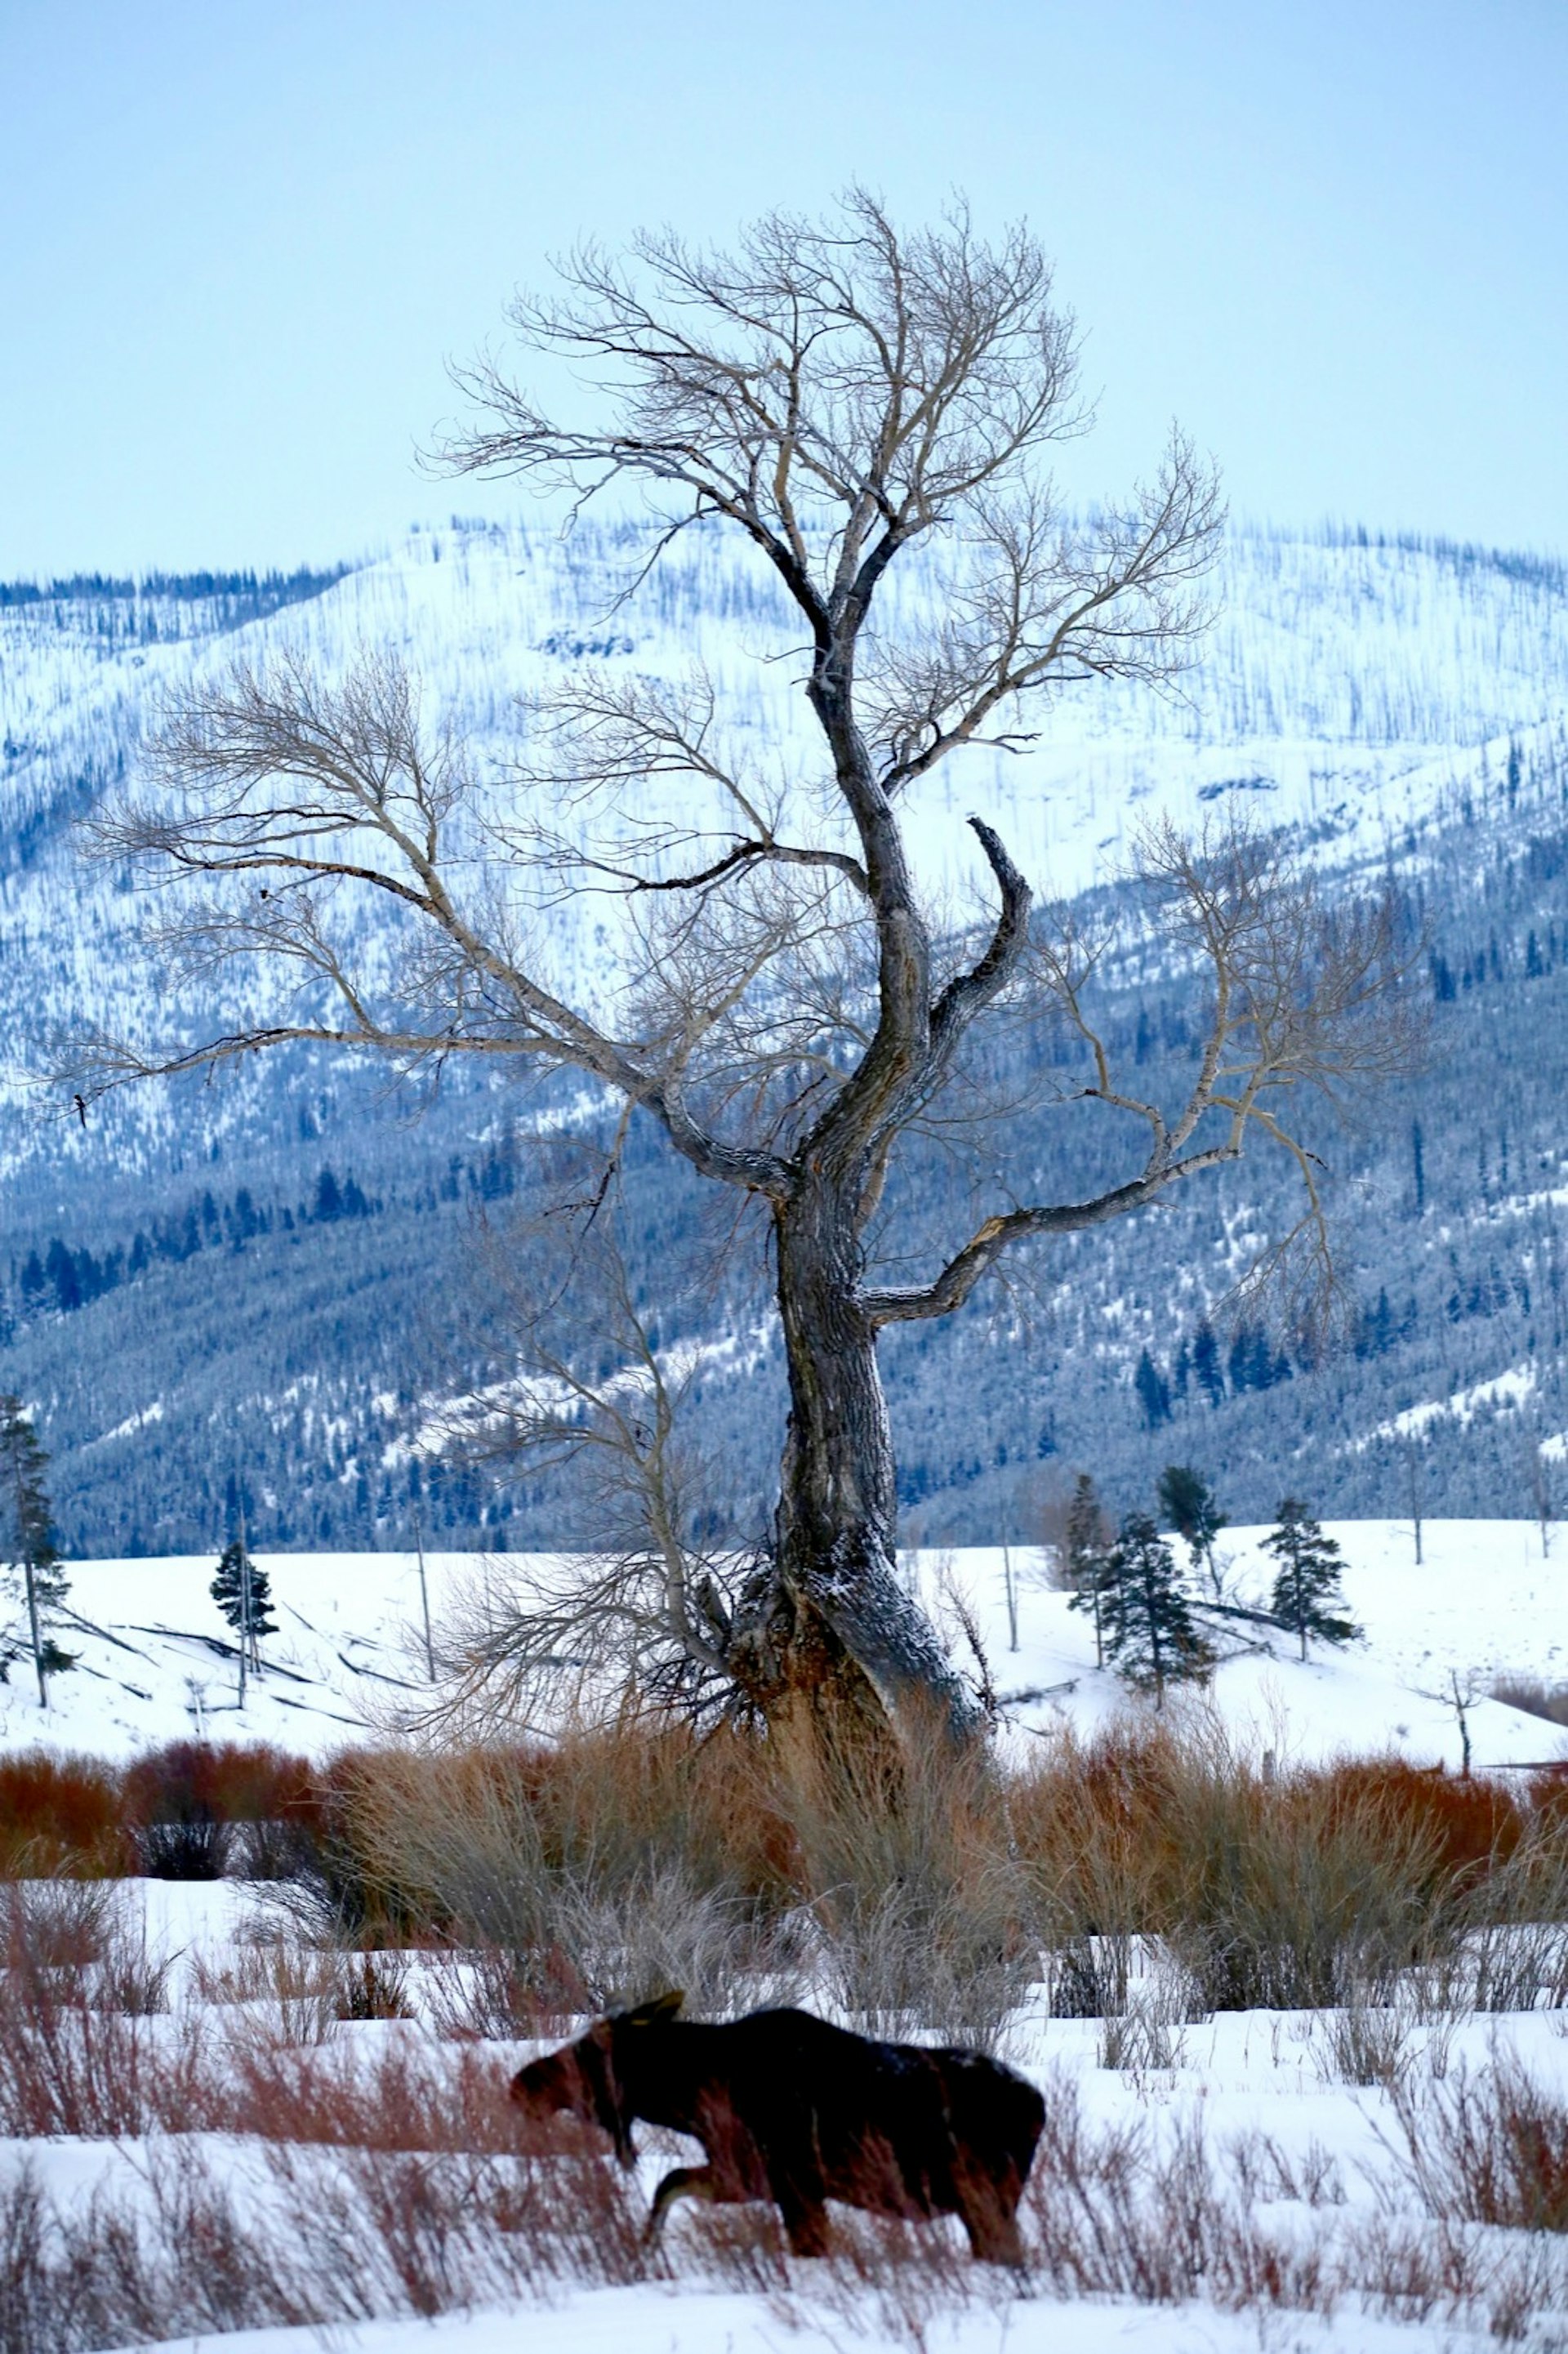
{"x": 838, "y": 1633}
{"x": 31, "y": 1575}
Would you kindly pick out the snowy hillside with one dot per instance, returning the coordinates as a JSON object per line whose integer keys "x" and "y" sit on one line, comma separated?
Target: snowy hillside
{"x": 1353, "y": 689}
{"x": 348, "y": 1658}
{"x": 288, "y": 1258}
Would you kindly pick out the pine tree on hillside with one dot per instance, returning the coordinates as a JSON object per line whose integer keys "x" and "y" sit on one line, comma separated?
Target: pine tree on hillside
{"x": 244, "y": 1595}
{"x": 1206, "y": 1363}
{"x": 1153, "y": 1391}
{"x": 1150, "y": 1636}
{"x": 1307, "y": 1579}
{"x": 27, "y": 1549}
{"x": 1190, "y": 1505}
{"x": 1088, "y": 1559}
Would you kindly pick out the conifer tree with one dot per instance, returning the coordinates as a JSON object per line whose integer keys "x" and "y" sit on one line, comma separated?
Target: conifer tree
{"x": 27, "y": 1539}
{"x": 1153, "y": 1391}
{"x": 1150, "y": 1636}
{"x": 1307, "y": 1580}
{"x": 1088, "y": 1559}
{"x": 1206, "y": 1363}
{"x": 244, "y": 1595}
{"x": 1189, "y": 1504}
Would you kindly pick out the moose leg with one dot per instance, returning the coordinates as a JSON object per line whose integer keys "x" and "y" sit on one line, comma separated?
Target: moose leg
{"x": 805, "y": 2226}
{"x": 798, "y": 2191}
{"x": 681, "y": 2182}
{"x": 990, "y": 2211}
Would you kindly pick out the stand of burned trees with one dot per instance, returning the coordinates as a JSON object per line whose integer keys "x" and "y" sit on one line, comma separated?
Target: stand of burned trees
{"x": 837, "y": 396}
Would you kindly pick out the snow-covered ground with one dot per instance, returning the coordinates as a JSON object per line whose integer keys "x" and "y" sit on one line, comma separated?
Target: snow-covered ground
{"x": 156, "y": 1663}
{"x": 1484, "y": 1600}
{"x": 1303, "y": 2155}
{"x": 674, "y": 2321}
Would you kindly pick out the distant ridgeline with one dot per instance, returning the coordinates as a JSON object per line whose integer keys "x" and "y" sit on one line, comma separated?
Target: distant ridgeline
{"x": 160, "y": 606}
{"x": 268, "y": 1285}
{"x": 58, "y": 1278}
{"x": 63, "y": 1279}
{"x": 1466, "y": 557}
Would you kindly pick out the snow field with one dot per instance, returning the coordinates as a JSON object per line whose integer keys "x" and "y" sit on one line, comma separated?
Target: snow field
{"x": 1278, "y": 2205}
{"x": 348, "y": 1660}
{"x": 1191, "y": 2160}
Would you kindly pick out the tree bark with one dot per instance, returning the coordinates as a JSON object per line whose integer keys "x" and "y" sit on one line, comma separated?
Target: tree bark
{"x": 831, "y": 1626}
{"x": 37, "y": 1638}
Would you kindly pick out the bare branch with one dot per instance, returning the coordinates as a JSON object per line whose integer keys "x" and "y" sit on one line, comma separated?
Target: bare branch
{"x": 644, "y": 1621}
{"x": 1302, "y": 998}
{"x": 836, "y": 368}
{"x": 320, "y": 787}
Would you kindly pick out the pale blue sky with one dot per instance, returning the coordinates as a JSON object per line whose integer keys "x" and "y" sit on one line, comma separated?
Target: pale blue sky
{"x": 239, "y": 238}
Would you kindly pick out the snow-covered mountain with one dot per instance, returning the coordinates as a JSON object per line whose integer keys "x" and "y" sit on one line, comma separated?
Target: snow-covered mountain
{"x": 1355, "y": 689}
{"x": 255, "y": 1281}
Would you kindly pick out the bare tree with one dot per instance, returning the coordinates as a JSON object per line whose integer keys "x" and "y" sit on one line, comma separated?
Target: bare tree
{"x": 1462, "y": 1693}
{"x": 1415, "y": 1449}
{"x": 644, "y": 1617}
{"x": 835, "y": 394}
{"x": 1543, "y": 1501}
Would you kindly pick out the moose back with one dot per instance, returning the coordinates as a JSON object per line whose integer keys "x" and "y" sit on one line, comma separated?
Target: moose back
{"x": 791, "y": 2109}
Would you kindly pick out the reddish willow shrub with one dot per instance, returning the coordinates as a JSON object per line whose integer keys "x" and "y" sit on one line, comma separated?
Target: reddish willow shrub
{"x": 1471, "y": 1825}
{"x": 224, "y": 1782}
{"x": 60, "y": 1814}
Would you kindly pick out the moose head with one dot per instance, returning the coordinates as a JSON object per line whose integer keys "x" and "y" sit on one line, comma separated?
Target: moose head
{"x": 585, "y": 2079}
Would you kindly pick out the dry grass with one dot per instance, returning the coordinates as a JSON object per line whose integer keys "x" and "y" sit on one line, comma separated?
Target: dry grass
{"x": 623, "y": 1861}
{"x": 1487, "y": 2146}
{"x": 321, "y": 2233}
{"x": 62, "y": 1923}
{"x": 603, "y": 1870}
{"x": 393, "y": 2179}
{"x": 1144, "y": 2036}
{"x": 60, "y": 1814}
{"x": 620, "y": 1863}
{"x": 373, "y": 1986}
{"x": 920, "y": 1915}
{"x": 298, "y": 1991}
{"x": 304, "y": 2234}
{"x": 72, "y": 2061}
{"x": 392, "y": 2176}
{"x": 403, "y": 2094}
{"x": 1313, "y": 1889}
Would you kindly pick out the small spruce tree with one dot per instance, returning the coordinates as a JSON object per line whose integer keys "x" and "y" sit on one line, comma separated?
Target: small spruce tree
{"x": 1153, "y": 1391}
{"x": 246, "y": 1612}
{"x": 1088, "y": 1559}
{"x": 1189, "y": 1504}
{"x": 1307, "y": 1580}
{"x": 1150, "y": 1636}
{"x": 27, "y": 1539}
{"x": 1206, "y": 1365}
